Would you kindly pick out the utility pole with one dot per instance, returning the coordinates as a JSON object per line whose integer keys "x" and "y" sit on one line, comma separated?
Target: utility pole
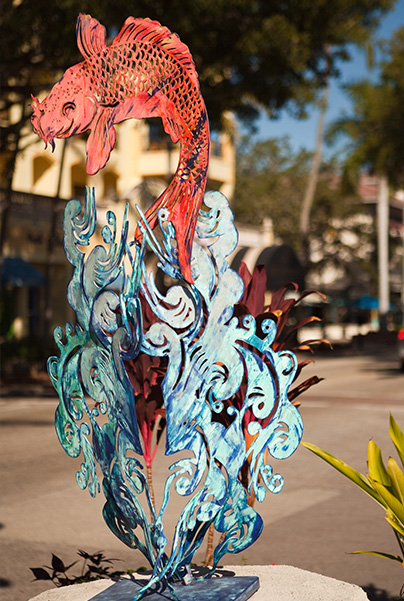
{"x": 383, "y": 252}
{"x": 400, "y": 196}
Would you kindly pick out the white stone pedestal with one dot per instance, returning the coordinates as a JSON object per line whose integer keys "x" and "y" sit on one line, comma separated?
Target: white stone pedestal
{"x": 277, "y": 583}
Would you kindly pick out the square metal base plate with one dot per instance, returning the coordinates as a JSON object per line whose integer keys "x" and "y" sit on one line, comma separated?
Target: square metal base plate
{"x": 233, "y": 588}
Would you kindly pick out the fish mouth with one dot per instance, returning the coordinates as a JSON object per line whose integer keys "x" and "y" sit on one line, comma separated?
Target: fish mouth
{"x": 49, "y": 137}
{"x": 36, "y": 126}
{"x": 46, "y": 133}
{"x": 63, "y": 132}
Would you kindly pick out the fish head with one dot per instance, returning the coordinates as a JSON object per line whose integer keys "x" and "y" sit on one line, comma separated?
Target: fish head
{"x": 67, "y": 110}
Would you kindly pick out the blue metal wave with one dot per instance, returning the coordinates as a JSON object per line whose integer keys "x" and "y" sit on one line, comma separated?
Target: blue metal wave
{"x": 209, "y": 355}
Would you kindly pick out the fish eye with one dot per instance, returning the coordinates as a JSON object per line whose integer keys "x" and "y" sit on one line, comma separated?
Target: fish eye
{"x": 67, "y": 108}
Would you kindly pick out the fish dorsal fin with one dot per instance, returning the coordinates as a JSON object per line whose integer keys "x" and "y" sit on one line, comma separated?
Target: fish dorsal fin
{"x": 91, "y": 35}
{"x": 147, "y": 31}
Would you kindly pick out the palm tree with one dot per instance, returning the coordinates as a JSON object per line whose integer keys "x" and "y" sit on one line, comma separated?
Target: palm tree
{"x": 375, "y": 132}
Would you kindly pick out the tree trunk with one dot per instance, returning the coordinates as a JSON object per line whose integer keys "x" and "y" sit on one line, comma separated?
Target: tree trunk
{"x": 50, "y": 259}
{"x": 313, "y": 179}
{"x": 9, "y": 173}
{"x": 383, "y": 251}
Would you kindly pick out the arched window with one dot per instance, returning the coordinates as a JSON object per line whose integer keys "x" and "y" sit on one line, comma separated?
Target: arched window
{"x": 79, "y": 180}
{"x": 40, "y": 165}
{"x": 110, "y": 185}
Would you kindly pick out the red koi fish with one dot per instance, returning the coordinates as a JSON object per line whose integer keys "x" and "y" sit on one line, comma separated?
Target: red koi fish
{"x": 146, "y": 72}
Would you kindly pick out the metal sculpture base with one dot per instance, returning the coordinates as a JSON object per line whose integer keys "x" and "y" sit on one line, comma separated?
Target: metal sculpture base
{"x": 227, "y": 588}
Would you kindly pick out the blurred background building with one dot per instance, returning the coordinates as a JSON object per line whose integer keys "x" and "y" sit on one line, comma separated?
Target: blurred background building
{"x": 36, "y": 272}
{"x": 142, "y": 163}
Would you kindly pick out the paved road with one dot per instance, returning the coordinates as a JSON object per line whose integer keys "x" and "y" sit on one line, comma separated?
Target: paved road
{"x": 315, "y": 521}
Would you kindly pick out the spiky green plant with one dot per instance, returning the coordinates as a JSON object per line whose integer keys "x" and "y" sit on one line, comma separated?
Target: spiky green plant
{"x": 384, "y": 484}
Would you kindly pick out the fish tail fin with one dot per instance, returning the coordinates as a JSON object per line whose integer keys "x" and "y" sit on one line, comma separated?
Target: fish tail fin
{"x": 185, "y": 228}
{"x": 165, "y": 200}
{"x": 183, "y": 203}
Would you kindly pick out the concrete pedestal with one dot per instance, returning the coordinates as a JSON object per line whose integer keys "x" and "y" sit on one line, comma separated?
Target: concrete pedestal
{"x": 277, "y": 583}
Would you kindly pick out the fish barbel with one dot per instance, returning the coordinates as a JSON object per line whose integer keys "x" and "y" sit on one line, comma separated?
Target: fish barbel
{"x": 145, "y": 72}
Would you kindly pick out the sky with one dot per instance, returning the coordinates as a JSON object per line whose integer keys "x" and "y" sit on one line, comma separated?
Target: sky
{"x": 302, "y": 133}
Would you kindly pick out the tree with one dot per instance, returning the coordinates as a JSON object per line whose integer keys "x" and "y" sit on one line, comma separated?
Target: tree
{"x": 34, "y": 49}
{"x": 312, "y": 181}
{"x": 375, "y": 129}
{"x": 249, "y": 54}
{"x": 273, "y": 179}
{"x": 375, "y": 132}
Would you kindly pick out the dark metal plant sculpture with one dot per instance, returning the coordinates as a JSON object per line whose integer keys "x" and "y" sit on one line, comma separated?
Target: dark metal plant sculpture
{"x": 137, "y": 354}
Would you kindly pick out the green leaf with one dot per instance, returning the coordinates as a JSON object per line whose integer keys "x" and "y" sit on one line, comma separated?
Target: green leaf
{"x": 385, "y": 555}
{"x": 395, "y": 525}
{"x": 397, "y": 437}
{"x": 391, "y": 501}
{"x": 355, "y": 476}
{"x": 377, "y": 470}
{"x": 397, "y": 478}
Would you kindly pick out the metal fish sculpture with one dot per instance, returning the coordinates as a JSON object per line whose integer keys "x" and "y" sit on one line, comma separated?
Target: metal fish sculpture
{"x": 145, "y": 72}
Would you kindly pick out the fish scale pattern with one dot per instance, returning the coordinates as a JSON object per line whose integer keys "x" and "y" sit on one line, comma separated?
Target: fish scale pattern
{"x": 124, "y": 72}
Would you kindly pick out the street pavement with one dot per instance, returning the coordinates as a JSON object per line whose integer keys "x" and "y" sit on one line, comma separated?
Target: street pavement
{"x": 313, "y": 524}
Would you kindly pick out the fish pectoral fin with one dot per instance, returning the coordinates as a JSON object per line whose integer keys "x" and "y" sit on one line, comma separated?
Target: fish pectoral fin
{"x": 145, "y": 105}
{"x": 138, "y": 106}
{"x": 100, "y": 143}
{"x": 173, "y": 122}
{"x": 171, "y": 128}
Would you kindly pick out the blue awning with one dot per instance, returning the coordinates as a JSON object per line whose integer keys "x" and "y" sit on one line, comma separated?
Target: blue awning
{"x": 368, "y": 302}
{"x": 17, "y": 272}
